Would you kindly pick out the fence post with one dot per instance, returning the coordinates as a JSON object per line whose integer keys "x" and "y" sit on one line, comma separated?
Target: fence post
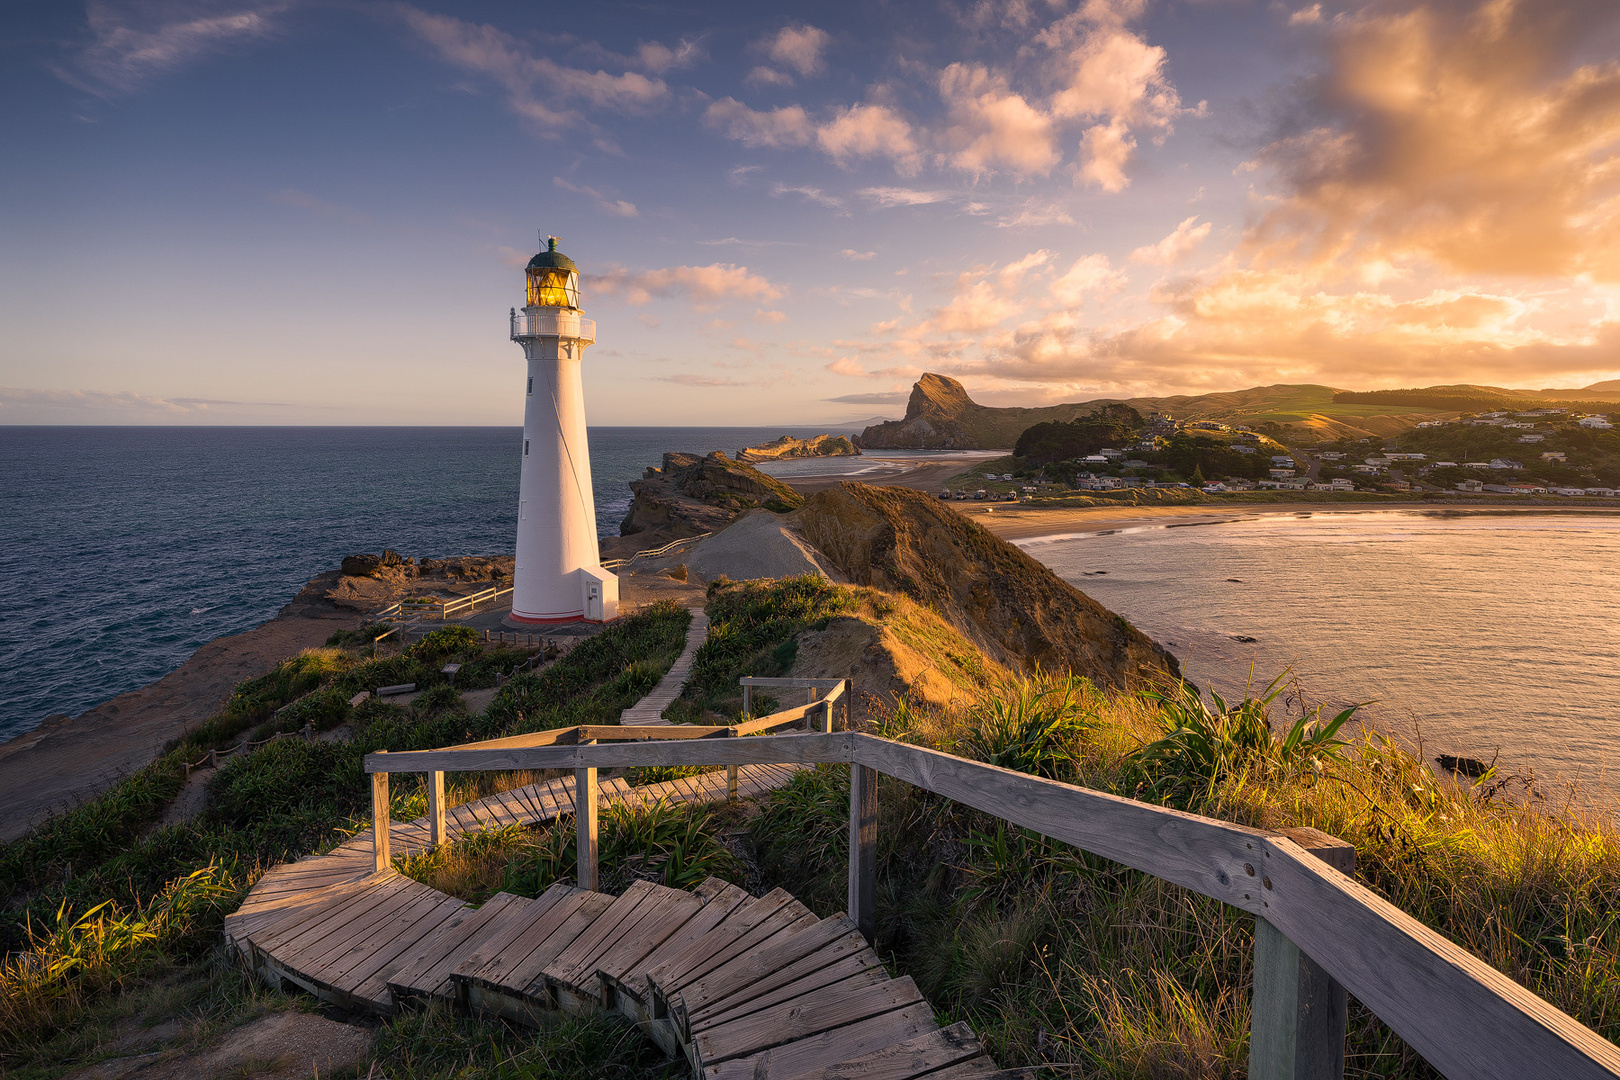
{"x": 748, "y": 702}
{"x": 381, "y": 857}
{"x": 435, "y": 786}
{"x": 849, "y": 704}
{"x": 863, "y": 849}
{"x": 213, "y": 759}
{"x": 1299, "y": 1014}
{"x": 826, "y": 717}
{"x": 585, "y": 797}
{"x": 731, "y": 770}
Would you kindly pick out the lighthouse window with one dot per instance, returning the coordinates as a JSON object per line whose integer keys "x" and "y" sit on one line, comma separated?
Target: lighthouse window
{"x": 531, "y": 384}
{"x": 553, "y": 287}
{"x": 525, "y": 447}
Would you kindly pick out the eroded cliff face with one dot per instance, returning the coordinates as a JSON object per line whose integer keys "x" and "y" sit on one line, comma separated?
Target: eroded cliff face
{"x": 692, "y": 495}
{"x": 789, "y": 447}
{"x": 941, "y": 416}
{"x": 1016, "y": 610}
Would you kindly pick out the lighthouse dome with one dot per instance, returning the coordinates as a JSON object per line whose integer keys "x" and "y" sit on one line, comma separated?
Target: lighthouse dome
{"x": 553, "y": 279}
{"x": 552, "y": 259}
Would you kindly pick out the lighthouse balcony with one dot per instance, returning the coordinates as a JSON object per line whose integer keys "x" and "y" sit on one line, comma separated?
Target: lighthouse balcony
{"x": 553, "y": 322}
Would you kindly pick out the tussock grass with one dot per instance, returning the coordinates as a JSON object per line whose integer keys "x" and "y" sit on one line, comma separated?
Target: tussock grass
{"x": 1057, "y": 957}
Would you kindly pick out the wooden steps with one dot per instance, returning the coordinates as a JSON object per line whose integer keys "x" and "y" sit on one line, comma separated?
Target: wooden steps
{"x": 752, "y": 988}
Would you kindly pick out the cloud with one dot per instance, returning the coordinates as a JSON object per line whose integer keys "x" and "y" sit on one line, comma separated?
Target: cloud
{"x": 1089, "y": 276}
{"x": 778, "y": 129}
{"x": 882, "y": 397}
{"x": 989, "y": 126}
{"x": 132, "y": 44}
{"x": 858, "y": 256}
{"x": 813, "y": 194}
{"x": 604, "y": 203}
{"x": 538, "y": 88}
{"x": 303, "y": 200}
{"x": 1306, "y": 16}
{"x": 1175, "y": 247}
{"x": 1035, "y": 213}
{"x": 847, "y": 367}
{"x": 899, "y": 196}
{"x": 800, "y": 48}
{"x": 767, "y": 76}
{"x": 657, "y": 58}
{"x": 685, "y": 379}
{"x": 705, "y": 286}
{"x": 20, "y": 405}
{"x": 861, "y": 131}
{"x": 1471, "y": 136}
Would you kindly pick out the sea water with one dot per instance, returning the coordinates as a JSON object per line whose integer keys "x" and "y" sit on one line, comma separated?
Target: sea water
{"x": 1479, "y": 632}
{"x": 126, "y": 548}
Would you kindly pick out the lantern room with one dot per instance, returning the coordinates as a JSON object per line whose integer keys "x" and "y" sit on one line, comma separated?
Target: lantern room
{"x": 553, "y": 279}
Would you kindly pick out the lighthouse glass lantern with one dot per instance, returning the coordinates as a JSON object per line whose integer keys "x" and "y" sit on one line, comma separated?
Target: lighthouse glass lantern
{"x": 559, "y": 576}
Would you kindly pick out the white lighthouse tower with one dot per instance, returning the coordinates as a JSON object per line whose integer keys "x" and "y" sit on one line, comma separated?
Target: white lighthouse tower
{"x": 559, "y": 575}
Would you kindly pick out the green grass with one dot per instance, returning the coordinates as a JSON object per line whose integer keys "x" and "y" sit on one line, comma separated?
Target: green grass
{"x": 1058, "y": 957}
{"x": 92, "y": 897}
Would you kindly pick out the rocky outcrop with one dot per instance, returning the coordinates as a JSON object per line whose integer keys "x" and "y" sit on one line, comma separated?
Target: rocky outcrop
{"x": 368, "y": 565}
{"x": 941, "y": 416}
{"x": 1012, "y": 607}
{"x": 691, "y": 495}
{"x": 789, "y": 447}
{"x": 391, "y": 577}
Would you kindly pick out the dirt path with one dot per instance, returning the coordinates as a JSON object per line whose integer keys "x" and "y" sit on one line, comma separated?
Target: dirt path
{"x": 65, "y": 761}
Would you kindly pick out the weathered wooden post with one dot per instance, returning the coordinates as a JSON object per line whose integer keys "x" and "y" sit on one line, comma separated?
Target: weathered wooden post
{"x": 213, "y": 759}
{"x": 1297, "y": 1022}
{"x": 435, "y": 793}
{"x": 731, "y": 771}
{"x": 381, "y": 857}
{"x": 826, "y": 717}
{"x": 585, "y": 797}
{"x": 863, "y": 849}
{"x": 748, "y": 702}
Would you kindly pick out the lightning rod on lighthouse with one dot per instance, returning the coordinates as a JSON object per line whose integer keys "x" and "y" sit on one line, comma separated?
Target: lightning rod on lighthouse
{"x": 559, "y": 575}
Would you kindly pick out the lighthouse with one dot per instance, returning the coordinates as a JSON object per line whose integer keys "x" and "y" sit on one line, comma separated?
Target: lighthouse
{"x": 559, "y": 575}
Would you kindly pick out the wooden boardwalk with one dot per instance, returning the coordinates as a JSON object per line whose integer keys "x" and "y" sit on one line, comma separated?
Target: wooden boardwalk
{"x": 743, "y": 987}
{"x": 650, "y": 709}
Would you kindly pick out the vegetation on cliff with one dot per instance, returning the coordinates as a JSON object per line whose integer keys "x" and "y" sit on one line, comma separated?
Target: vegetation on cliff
{"x": 1016, "y": 610}
{"x": 691, "y": 495}
{"x": 1110, "y": 426}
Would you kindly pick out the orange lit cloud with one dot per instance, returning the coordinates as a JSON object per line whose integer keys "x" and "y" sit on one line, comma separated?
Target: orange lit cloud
{"x": 704, "y": 286}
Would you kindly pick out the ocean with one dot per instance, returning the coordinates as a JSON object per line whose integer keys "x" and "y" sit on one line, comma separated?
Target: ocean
{"x": 1480, "y": 632}
{"x": 125, "y": 548}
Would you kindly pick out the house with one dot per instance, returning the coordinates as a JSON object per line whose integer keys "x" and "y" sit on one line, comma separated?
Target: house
{"x": 1213, "y": 487}
{"x": 1505, "y": 463}
{"x": 1101, "y": 483}
{"x": 1111, "y": 454}
{"x": 1136, "y": 463}
{"x": 1378, "y": 459}
{"x": 1445, "y": 464}
{"x": 1240, "y": 485}
{"x": 1281, "y": 474}
{"x": 1299, "y": 483}
{"x": 1331, "y": 455}
{"x": 1553, "y": 455}
{"x": 1405, "y": 457}
{"x": 1095, "y": 459}
{"x": 1469, "y": 485}
{"x": 1343, "y": 483}
{"x": 1368, "y": 469}
{"x": 1282, "y": 460}
{"x": 1531, "y": 438}
{"x": 1568, "y": 491}
{"x": 1607, "y": 493}
{"x": 1398, "y": 485}
{"x": 1240, "y": 448}
{"x": 1599, "y": 422}
{"x": 1476, "y": 464}
{"x": 1268, "y": 483}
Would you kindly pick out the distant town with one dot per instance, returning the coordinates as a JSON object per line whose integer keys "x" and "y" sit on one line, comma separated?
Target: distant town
{"x": 1543, "y": 451}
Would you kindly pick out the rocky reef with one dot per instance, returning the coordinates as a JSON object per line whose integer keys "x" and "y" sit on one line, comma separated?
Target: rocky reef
{"x": 789, "y": 447}
{"x": 690, "y": 495}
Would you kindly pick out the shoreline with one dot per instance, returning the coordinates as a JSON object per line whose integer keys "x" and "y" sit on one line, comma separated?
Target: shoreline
{"x": 1014, "y": 523}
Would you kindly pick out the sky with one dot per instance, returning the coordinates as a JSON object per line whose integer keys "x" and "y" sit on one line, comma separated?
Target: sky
{"x": 291, "y": 212}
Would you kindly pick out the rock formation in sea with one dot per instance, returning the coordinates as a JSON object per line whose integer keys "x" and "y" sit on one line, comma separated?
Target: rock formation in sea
{"x": 941, "y": 416}
{"x": 690, "y": 495}
{"x": 789, "y": 447}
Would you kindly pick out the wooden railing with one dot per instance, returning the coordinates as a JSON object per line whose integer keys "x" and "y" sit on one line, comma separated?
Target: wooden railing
{"x": 444, "y": 608}
{"x": 1319, "y": 933}
{"x": 653, "y": 553}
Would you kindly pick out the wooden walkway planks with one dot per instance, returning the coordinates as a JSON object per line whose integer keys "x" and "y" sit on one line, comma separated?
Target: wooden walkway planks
{"x": 650, "y": 709}
{"x": 741, "y": 986}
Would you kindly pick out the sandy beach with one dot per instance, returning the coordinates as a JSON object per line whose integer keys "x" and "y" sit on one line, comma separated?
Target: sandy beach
{"x": 1014, "y": 523}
